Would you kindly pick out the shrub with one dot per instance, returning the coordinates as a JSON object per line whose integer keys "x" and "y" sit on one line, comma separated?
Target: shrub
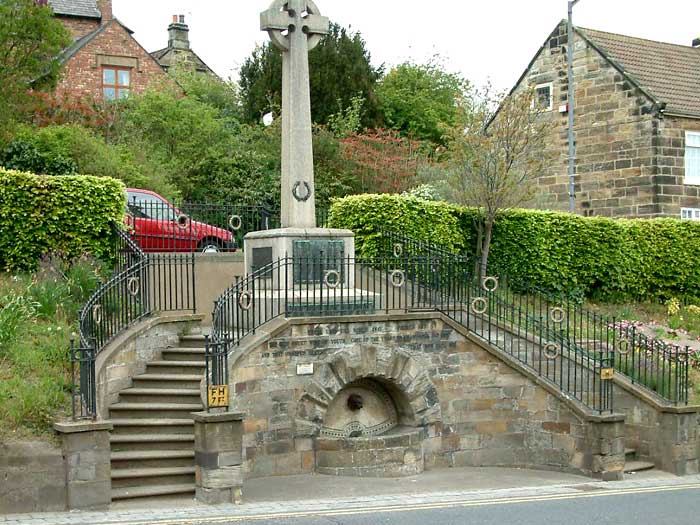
{"x": 607, "y": 259}
{"x": 69, "y": 214}
{"x": 368, "y": 215}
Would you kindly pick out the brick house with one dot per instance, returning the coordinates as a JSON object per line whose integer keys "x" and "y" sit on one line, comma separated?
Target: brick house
{"x": 637, "y": 124}
{"x": 104, "y": 62}
{"x": 179, "y": 53}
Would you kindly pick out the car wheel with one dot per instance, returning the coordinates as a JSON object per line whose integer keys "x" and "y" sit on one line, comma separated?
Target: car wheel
{"x": 210, "y": 246}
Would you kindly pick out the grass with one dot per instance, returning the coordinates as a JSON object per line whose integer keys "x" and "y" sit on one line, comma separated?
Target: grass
{"x": 38, "y": 317}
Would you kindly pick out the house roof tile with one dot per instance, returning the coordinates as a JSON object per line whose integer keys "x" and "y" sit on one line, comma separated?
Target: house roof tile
{"x": 670, "y": 73}
{"x": 82, "y": 8}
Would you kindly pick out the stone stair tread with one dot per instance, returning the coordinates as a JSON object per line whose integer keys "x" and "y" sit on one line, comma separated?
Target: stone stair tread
{"x": 636, "y": 466}
{"x": 157, "y": 406}
{"x": 197, "y": 364}
{"x": 630, "y": 451}
{"x": 151, "y": 422}
{"x": 151, "y": 454}
{"x": 161, "y": 391}
{"x": 149, "y": 438}
{"x": 128, "y": 473}
{"x": 170, "y": 377}
{"x": 185, "y": 350}
{"x": 156, "y": 490}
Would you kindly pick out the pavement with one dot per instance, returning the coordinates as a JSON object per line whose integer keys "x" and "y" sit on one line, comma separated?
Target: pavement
{"x": 326, "y": 499}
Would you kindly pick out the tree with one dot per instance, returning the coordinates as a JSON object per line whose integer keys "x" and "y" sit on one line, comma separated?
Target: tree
{"x": 30, "y": 42}
{"x": 421, "y": 100}
{"x": 497, "y": 156}
{"x": 339, "y": 69}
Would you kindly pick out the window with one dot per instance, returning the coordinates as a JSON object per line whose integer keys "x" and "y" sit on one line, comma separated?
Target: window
{"x": 115, "y": 82}
{"x": 692, "y": 214}
{"x": 544, "y": 96}
{"x": 692, "y": 157}
{"x": 147, "y": 206}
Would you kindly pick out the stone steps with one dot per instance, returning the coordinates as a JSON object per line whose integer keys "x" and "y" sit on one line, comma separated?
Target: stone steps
{"x": 126, "y": 493}
{"x": 634, "y": 465}
{"x": 160, "y": 395}
{"x": 152, "y": 444}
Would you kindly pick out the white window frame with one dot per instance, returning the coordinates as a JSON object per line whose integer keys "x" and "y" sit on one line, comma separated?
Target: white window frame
{"x": 690, "y": 214}
{"x": 692, "y": 172}
{"x": 549, "y": 85}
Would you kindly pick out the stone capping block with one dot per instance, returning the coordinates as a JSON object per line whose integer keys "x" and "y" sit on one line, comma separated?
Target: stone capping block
{"x": 300, "y": 232}
{"x": 221, "y": 417}
{"x": 73, "y": 427}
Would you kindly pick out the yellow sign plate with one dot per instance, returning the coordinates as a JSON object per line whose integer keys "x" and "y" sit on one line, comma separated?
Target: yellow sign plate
{"x": 606, "y": 374}
{"x": 218, "y": 396}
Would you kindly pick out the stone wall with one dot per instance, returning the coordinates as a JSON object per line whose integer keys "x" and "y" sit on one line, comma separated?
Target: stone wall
{"x": 629, "y": 159}
{"x": 667, "y": 436}
{"x": 670, "y": 150}
{"x": 32, "y": 478}
{"x": 487, "y": 413}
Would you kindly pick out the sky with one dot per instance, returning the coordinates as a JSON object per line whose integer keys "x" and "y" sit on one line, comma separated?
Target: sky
{"x": 483, "y": 40}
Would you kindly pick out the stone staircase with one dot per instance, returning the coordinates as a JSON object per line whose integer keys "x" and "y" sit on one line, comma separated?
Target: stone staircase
{"x": 633, "y": 464}
{"x": 152, "y": 444}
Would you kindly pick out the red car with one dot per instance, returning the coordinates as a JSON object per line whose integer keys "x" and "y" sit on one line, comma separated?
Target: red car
{"x": 158, "y": 226}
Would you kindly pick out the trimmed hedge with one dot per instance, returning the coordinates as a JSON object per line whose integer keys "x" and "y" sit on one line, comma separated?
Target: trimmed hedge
{"x": 607, "y": 259}
{"x": 368, "y": 215}
{"x": 40, "y": 214}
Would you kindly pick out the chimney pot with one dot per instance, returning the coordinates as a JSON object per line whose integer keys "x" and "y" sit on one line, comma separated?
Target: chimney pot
{"x": 174, "y": 19}
{"x": 182, "y": 19}
{"x": 696, "y": 42}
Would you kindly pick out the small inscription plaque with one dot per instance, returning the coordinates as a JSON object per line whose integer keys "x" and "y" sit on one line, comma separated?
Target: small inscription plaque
{"x": 606, "y": 374}
{"x": 305, "y": 369}
{"x": 218, "y": 396}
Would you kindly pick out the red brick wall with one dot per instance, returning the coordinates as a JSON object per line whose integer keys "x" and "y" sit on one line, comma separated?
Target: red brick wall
{"x": 79, "y": 27}
{"x": 83, "y": 78}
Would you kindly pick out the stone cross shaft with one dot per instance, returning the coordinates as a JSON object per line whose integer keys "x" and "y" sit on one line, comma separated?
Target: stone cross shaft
{"x": 295, "y": 27}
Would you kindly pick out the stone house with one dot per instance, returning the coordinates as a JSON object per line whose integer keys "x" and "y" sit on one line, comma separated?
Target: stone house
{"x": 179, "y": 53}
{"x": 105, "y": 62}
{"x": 637, "y": 125}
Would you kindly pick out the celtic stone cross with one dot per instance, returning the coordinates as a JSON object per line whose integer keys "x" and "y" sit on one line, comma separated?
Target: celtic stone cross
{"x": 295, "y": 27}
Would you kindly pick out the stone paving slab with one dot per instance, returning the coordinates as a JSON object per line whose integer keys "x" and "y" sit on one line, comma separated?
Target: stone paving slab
{"x": 197, "y": 513}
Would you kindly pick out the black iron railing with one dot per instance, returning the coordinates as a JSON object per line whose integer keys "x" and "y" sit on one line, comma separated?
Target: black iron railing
{"x": 649, "y": 363}
{"x": 141, "y": 285}
{"x": 216, "y": 373}
{"x": 83, "y": 389}
{"x": 293, "y": 287}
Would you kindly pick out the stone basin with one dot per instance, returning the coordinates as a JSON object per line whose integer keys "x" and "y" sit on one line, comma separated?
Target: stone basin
{"x": 397, "y": 453}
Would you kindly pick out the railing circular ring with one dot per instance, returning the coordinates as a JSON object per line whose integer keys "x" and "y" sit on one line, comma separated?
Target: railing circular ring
{"x": 490, "y": 284}
{"x": 245, "y": 300}
{"x": 97, "y": 313}
{"x": 133, "y": 286}
{"x": 327, "y": 278}
{"x": 235, "y": 222}
{"x": 183, "y": 221}
{"x": 557, "y": 315}
{"x": 623, "y": 347}
{"x": 551, "y": 351}
{"x": 682, "y": 356}
{"x": 398, "y": 278}
{"x": 398, "y": 250}
{"x": 479, "y": 305}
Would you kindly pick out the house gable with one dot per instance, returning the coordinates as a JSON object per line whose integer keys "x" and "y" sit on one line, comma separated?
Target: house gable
{"x": 111, "y": 44}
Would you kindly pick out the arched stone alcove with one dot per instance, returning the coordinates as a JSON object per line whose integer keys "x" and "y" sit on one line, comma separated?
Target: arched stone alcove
{"x": 368, "y": 410}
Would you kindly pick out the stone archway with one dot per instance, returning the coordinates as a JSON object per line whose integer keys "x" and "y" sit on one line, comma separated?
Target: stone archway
{"x": 369, "y": 410}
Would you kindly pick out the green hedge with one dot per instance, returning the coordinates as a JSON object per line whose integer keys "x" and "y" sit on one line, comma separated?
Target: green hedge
{"x": 367, "y": 215}
{"x": 608, "y": 259}
{"x": 40, "y": 214}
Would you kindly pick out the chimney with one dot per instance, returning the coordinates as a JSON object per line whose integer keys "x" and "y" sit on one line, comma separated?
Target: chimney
{"x": 105, "y": 8}
{"x": 178, "y": 37}
{"x": 696, "y": 42}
